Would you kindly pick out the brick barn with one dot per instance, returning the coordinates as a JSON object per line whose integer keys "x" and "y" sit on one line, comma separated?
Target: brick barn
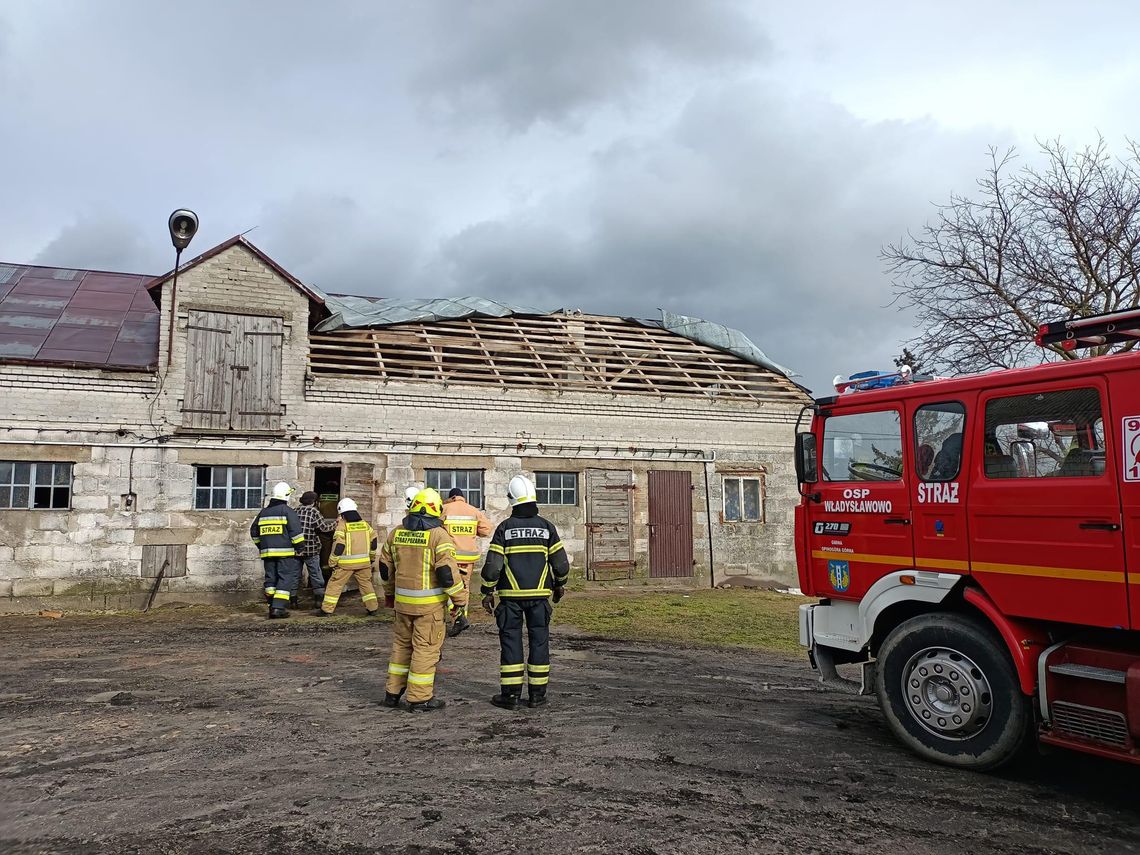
{"x": 141, "y": 422}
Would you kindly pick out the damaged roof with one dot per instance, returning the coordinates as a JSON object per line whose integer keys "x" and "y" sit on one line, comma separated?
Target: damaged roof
{"x": 110, "y": 320}
{"x": 378, "y": 312}
{"x": 77, "y": 317}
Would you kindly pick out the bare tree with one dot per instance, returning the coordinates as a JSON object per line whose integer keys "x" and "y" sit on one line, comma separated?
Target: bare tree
{"x": 1036, "y": 244}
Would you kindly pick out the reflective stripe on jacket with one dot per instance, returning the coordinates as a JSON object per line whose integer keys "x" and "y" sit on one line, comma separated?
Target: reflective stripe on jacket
{"x": 525, "y": 560}
{"x": 354, "y": 545}
{"x": 276, "y": 530}
{"x": 421, "y": 570}
{"x": 466, "y": 524}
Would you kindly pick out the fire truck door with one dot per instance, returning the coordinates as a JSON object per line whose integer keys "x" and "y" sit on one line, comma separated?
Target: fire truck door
{"x": 860, "y": 530}
{"x": 1044, "y": 504}
{"x": 938, "y": 496}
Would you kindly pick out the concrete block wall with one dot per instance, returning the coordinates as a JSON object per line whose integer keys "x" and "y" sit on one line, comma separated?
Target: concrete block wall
{"x": 121, "y": 440}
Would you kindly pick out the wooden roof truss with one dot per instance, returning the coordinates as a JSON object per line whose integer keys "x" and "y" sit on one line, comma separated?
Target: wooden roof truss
{"x": 560, "y": 352}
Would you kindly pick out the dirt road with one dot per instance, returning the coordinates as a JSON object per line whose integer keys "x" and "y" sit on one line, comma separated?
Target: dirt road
{"x": 219, "y": 732}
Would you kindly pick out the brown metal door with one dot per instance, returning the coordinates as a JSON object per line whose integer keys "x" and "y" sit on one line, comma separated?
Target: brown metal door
{"x": 609, "y": 524}
{"x": 670, "y": 524}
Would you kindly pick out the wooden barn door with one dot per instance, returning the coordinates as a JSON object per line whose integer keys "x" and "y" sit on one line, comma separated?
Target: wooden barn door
{"x": 233, "y": 372}
{"x": 209, "y": 381}
{"x": 670, "y": 524}
{"x": 609, "y": 524}
{"x": 257, "y": 375}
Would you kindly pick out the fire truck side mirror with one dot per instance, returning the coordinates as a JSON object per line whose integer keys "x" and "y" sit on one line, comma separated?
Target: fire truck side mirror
{"x": 806, "y": 466}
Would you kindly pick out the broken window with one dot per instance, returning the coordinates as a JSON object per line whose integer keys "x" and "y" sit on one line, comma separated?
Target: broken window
{"x": 228, "y": 488}
{"x": 35, "y": 486}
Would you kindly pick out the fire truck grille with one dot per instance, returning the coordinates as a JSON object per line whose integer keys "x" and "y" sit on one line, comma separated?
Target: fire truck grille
{"x": 1092, "y": 723}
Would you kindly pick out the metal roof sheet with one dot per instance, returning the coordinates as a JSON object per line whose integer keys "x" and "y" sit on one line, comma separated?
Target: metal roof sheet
{"x": 82, "y": 317}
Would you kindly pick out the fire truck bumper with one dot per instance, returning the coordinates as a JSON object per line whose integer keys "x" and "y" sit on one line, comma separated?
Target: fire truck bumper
{"x": 823, "y": 657}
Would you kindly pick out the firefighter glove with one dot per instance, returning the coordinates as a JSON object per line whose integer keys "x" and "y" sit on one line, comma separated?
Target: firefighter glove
{"x": 444, "y": 577}
{"x": 489, "y": 604}
{"x": 559, "y": 591}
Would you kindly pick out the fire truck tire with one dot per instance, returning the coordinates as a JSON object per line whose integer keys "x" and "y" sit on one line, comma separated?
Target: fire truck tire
{"x": 950, "y": 693}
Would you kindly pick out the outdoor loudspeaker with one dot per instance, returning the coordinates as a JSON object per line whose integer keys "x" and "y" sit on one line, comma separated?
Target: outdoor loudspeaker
{"x": 183, "y": 227}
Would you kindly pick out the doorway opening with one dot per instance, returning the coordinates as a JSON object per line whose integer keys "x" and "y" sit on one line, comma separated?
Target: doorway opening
{"x": 327, "y": 486}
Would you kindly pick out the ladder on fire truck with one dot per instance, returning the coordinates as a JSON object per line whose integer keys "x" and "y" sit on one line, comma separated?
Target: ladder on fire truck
{"x": 1094, "y": 331}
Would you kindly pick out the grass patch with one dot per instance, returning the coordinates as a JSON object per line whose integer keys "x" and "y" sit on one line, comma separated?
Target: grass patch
{"x": 764, "y": 620}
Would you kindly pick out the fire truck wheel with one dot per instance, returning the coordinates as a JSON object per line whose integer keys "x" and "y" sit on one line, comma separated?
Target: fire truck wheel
{"x": 950, "y": 693}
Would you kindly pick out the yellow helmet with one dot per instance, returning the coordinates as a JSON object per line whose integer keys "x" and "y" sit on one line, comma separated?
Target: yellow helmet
{"x": 427, "y": 501}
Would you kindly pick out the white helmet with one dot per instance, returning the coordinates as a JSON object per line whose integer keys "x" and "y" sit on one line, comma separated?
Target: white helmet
{"x": 281, "y": 490}
{"x": 345, "y": 505}
{"x": 410, "y": 495}
{"x": 521, "y": 490}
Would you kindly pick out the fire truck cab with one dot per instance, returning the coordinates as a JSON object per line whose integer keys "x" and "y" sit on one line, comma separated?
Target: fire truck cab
{"x": 975, "y": 543}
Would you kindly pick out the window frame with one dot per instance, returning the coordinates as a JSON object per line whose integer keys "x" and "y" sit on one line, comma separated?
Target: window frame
{"x": 228, "y": 487}
{"x": 561, "y": 489}
{"x": 33, "y": 486}
{"x": 826, "y": 478}
{"x": 479, "y": 492}
{"x": 961, "y": 452}
{"x": 740, "y": 478}
{"x": 1084, "y": 385}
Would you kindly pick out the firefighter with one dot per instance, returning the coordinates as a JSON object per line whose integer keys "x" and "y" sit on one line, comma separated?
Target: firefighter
{"x": 465, "y": 523}
{"x": 276, "y": 532}
{"x": 527, "y": 565}
{"x": 417, "y": 564}
{"x": 353, "y": 554}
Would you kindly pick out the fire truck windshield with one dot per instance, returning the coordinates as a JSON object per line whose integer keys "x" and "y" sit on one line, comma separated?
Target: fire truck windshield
{"x": 863, "y": 447}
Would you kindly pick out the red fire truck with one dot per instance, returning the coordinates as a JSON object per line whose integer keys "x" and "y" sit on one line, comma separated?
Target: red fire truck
{"x": 975, "y": 543}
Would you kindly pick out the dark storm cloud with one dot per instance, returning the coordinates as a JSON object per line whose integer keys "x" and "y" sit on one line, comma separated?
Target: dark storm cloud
{"x": 526, "y": 61}
{"x": 755, "y": 210}
{"x": 102, "y": 240}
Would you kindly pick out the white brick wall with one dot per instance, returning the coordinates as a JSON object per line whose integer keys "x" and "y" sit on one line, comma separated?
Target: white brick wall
{"x": 397, "y": 428}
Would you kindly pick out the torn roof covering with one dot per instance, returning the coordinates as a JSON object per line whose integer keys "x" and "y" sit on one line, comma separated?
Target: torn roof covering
{"x": 362, "y": 312}
{"x": 82, "y": 317}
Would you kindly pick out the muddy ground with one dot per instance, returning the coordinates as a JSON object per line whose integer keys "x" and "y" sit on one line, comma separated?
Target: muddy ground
{"x": 220, "y": 732}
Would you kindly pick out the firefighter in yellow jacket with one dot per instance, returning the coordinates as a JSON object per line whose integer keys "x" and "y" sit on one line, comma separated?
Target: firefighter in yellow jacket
{"x": 353, "y": 554}
{"x": 417, "y": 564}
{"x": 466, "y": 524}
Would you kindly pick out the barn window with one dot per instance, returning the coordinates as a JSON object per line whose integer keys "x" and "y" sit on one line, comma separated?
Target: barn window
{"x": 556, "y": 488}
{"x": 233, "y": 372}
{"x": 744, "y": 498}
{"x": 35, "y": 486}
{"x": 228, "y": 488}
{"x": 470, "y": 481}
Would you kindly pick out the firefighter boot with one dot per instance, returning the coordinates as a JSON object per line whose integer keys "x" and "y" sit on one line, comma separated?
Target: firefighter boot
{"x": 278, "y": 613}
{"x": 536, "y": 699}
{"x": 392, "y": 699}
{"x": 318, "y": 612}
{"x": 461, "y": 623}
{"x": 506, "y": 702}
{"x": 426, "y": 706}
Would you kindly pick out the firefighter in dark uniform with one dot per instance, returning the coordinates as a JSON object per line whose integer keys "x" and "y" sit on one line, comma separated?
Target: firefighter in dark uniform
{"x": 276, "y": 532}
{"x": 527, "y": 566}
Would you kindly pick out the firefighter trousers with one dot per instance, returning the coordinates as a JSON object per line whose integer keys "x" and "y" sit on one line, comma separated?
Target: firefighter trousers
{"x": 510, "y": 615}
{"x": 282, "y": 576}
{"x": 417, "y": 641}
{"x": 363, "y": 576}
{"x": 462, "y": 598}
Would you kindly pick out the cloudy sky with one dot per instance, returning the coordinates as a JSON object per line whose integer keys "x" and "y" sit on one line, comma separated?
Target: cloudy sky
{"x": 740, "y": 161}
